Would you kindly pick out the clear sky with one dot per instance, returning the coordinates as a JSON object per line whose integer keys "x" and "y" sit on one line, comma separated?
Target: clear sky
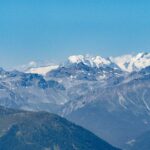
{"x": 55, "y": 29}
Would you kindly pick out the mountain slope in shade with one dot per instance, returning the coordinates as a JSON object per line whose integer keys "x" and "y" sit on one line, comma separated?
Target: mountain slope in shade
{"x": 140, "y": 143}
{"x": 20, "y": 130}
{"x": 30, "y": 91}
{"x": 116, "y": 108}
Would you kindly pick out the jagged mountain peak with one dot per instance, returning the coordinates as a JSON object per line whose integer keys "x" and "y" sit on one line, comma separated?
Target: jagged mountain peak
{"x": 131, "y": 62}
{"x": 127, "y": 63}
{"x": 92, "y": 61}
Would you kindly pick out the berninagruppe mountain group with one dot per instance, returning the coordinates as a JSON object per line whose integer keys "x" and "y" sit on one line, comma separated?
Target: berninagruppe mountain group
{"x": 108, "y": 96}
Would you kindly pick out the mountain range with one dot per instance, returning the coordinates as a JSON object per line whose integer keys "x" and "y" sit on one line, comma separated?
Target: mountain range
{"x": 128, "y": 63}
{"x": 108, "y": 96}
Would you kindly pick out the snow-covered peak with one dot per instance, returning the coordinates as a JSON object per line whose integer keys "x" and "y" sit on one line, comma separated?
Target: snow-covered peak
{"x": 100, "y": 61}
{"x": 126, "y": 63}
{"x": 96, "y": 61}
{"x": 131, "y": 63}
{"x": 42, "y": 70}
{"x": 76, "y": 58}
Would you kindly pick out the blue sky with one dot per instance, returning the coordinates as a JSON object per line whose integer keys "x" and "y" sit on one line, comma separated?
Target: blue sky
{"x": 55, "y": 29}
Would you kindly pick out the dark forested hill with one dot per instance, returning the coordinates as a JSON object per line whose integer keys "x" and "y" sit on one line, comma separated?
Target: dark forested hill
{"x": 21, "y": 130}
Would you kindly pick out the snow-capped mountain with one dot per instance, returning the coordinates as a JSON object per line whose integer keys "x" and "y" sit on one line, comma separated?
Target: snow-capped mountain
{"x": 131, "y": 63}
{"x": 126, "y": 63}
{"x": 97, "y": 61}
{"x": 86, "y": 90}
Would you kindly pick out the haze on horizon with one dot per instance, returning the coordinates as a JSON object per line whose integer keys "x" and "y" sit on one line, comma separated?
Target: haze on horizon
{"x": 53, "y": 30}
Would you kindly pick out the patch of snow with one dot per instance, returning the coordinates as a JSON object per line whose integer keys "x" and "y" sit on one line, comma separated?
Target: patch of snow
{"x": 131, "y": 142}
{"x": 121, "y": 100}
{"x": 76, "y": 59}
{"x": 144, "y": 101}
{"x": 42, "y": 70}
